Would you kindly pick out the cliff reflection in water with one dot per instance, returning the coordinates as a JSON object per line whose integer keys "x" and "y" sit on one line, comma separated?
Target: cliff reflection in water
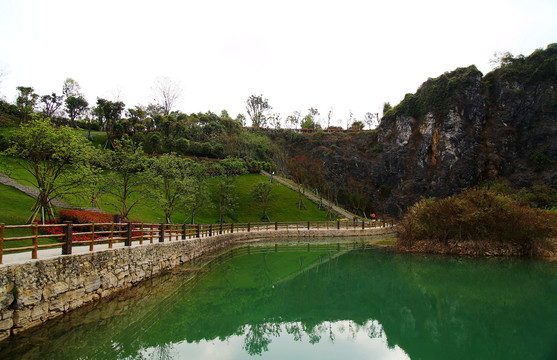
{"x": 308, "y": 305}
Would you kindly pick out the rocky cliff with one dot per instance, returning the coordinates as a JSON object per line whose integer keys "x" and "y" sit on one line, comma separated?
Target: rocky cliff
{"x": 457, "y": 130}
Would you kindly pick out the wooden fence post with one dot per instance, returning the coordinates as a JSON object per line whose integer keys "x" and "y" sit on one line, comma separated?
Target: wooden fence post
{"x": 92, "y": 242}
{"x": 308, "y": 225}
{"x": 210, "y": 230}
{"x": 161, "y": 232}
{"x": 128, "y": 241}
{"x": 35, "y": 240}
{"x": 1, "y": 242}
{"x": 338, "y": 225}
{"x": 68, "y": 238}
{"x": 232, "y": 228}
{"x": 184, "y": 231}
{"x": 363, "y": 224}
{"x": 276, "y": 225}
{"x": 197, "y": 230}
{"x": 248, "y": 227}
{"x": 111, "y": 236}
{"x": 220, "y": 229}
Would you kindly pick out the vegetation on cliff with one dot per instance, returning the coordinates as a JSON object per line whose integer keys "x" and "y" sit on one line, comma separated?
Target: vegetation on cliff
{"x": 477, "y": 221}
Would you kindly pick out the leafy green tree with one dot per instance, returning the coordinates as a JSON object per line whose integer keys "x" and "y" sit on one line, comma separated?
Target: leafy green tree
{"x": 51, "y": 104}
{"x": 75, "y": 106}
{"x": 225, "y": 198}
{"x": 126, "y": 179}
{"x": 200, "y": 196}
{"x": 71, "y": 88}
{"x": 57, "y": 158}
{"x": 109, "y": 113}
{"x": 26, "y": 101}
{"x": 357, "y": 125}
{"x": 256, "y": 107}
{"x": 262, "y": 194}
{"x": 310, "y": 120}
{"x": 170, "y": 183}
{"x": 386, "y": 107}
{"x": 137, "y": 118}
{"x": 241, "y": 118}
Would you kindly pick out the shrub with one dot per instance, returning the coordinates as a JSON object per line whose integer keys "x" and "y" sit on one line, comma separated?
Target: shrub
{"x": 84, "y": 216}
{"x": 478, "y": 215}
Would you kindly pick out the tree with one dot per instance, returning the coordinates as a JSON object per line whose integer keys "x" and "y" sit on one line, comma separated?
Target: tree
{"x": 275, "y": 121}
{"x": 109, "y": 113}
{"x": 26, "y": 101}
{"x": 225, "y": 198}
{"x": 357, "y": 125}
{"x": 51, "y": 104}
{"x": 350, "y": 119}
{"x": 167, "y": 93}
{"x": 371, "y": 119}
{"x": 199, "y": 192}
{"x": 71, "y": 88}
{"x": 126, "y": 179}
{"x": 262, "y": 193}
{"x": 170, "y": 183}
{"x": 241, "y": 118}
{"x": 299, "y": 167}
{"x": 2, "y": 78}
{"x": 500, "y": 59}
{"x": 386, "y": 107}
{"x": 310, "y": 120}
{"x": 329, "y": 117}
{"x": 256, "y": 107}
{"x": 57, "y": 158}
{"x": 137, "y": 118}
{"x": 75, "y": 106}
{"x": 294, "y": 119}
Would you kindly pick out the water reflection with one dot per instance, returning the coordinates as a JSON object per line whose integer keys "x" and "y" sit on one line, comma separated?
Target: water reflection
{"x": 289, "y": 340}
{"x": 363, "y": 304}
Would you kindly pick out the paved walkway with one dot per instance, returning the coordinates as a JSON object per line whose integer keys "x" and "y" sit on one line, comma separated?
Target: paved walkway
{"x": 29, "y": 190}
{"x": 312, "y": 197}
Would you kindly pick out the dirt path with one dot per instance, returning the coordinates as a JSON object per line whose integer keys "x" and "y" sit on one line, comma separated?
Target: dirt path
{"x": 312, "y": 197}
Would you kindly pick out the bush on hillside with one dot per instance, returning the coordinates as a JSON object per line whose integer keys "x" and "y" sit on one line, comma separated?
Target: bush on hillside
{"x": 478, "y": 215}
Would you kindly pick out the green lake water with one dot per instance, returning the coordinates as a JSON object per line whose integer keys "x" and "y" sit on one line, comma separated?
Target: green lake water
{"x": 361, "y": 304}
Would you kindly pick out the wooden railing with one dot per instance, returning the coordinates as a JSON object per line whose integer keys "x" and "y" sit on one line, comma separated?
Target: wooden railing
{"x": 68, "y": 235}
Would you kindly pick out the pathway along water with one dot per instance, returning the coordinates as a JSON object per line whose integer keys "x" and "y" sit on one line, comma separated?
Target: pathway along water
{"x": 321, "y": 304}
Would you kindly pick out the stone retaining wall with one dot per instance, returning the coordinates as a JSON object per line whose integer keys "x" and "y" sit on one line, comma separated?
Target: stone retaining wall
{"x": 39, "y": 290}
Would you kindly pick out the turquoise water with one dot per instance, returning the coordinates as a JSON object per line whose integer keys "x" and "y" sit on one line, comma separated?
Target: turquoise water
{"x": 363, "y": 304}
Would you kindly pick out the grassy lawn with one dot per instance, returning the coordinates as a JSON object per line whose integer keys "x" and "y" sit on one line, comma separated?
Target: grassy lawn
{"x": 15, "y": 208}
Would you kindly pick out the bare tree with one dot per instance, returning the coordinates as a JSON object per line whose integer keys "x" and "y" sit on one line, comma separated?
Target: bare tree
{"x": 371, "y": 119}
{"x": 167, "y": 93}
{"x": 329, "y": 117}
{"x": 294, "y": 119}
{"x": 2, "y": 77}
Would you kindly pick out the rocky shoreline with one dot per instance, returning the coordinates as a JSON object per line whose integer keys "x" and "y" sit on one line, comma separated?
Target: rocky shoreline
{"x": 477, "y": 248}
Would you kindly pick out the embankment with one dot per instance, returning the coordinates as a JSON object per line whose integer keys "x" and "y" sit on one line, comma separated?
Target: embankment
{"x": 36, "y": 291}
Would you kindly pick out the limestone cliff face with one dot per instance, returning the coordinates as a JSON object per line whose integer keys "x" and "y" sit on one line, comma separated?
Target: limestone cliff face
{"x": 501, "y": 126}
{"x": 458, "y": 130}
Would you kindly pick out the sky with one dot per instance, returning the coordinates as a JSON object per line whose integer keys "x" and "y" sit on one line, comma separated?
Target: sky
{"x": 348, "y": 56}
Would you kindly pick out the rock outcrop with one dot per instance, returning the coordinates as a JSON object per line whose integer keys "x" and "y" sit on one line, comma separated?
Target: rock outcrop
{"x": 456, "y": 131}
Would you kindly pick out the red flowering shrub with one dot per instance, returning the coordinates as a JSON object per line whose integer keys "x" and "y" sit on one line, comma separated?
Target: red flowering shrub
{"x": 84, "y": 216}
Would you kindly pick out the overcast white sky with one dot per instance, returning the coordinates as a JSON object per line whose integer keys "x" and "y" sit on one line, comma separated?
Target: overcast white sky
{"x": 348, "y": 55}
